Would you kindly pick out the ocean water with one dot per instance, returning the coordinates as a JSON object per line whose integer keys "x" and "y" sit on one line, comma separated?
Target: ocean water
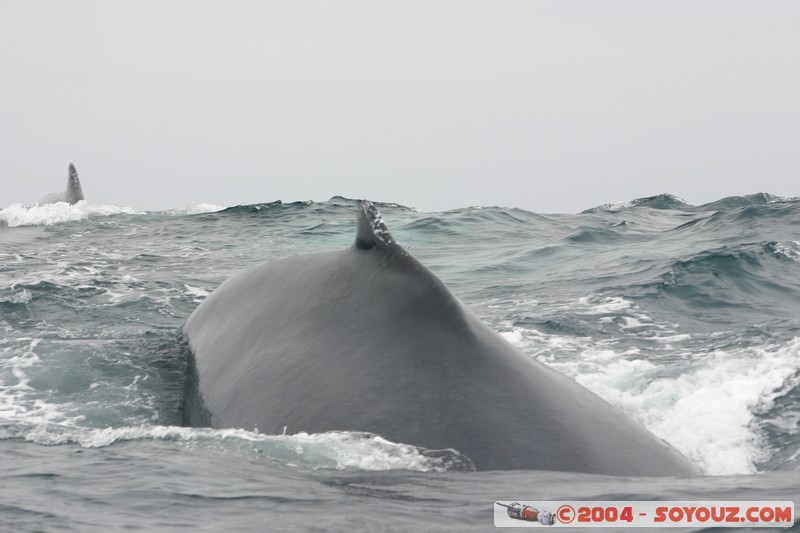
{"x": 685, "y": 317}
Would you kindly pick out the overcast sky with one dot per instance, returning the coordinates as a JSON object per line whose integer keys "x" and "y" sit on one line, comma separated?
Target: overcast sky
{"x": 551, "y": 106}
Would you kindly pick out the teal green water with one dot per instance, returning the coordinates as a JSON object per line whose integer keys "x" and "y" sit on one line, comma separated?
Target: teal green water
{"x": 686, "y": 317}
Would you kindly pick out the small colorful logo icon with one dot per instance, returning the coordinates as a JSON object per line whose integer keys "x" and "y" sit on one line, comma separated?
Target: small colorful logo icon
{"x": 528, "y": 513}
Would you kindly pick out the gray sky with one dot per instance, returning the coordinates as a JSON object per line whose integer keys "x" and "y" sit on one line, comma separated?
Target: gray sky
{"x": 551, "y": 106}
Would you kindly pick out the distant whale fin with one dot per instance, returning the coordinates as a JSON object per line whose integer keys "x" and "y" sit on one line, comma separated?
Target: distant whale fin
{"x": 371, "y": 231}
{"x": 74, "y": 192}
{"x": 72, "y": 195}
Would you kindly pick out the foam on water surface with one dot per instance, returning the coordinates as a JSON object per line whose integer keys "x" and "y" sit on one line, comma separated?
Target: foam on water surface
{"x": 16, "y": 215}
{"x": 711, "y": 390}
{"x": 710, "y": 412}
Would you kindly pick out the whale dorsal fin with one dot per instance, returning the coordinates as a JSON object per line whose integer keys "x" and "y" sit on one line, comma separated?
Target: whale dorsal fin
{"x": 371, "y": 231}
{"x": 74, "y": 192}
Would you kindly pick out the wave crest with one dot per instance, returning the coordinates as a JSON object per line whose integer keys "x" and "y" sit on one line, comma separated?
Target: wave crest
{"x": 16, "y": 215}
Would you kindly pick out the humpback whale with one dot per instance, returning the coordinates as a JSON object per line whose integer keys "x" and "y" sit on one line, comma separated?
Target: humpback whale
{"x": 72, "y": 195}
{"x": 367, "y": 339}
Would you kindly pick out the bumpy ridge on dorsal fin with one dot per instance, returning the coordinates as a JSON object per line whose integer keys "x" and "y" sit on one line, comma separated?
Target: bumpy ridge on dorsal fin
{"x": 371, "y": 231}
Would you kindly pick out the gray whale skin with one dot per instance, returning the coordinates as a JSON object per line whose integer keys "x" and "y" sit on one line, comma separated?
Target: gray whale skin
{"x": 367, "y": 339}
{"x": 72, "y": 195}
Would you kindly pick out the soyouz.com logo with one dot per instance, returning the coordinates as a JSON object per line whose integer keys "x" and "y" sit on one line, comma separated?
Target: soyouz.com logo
{"x": 638, "y": 514}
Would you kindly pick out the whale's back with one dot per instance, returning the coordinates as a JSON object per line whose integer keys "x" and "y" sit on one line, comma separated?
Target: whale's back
{"x": 368, "y": 339}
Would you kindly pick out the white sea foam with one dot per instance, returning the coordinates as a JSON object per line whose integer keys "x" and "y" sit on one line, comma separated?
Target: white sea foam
{"x": 790, "y": 250}
{"x": 630, "y": 322}
{"x": 19, "y": 297}
{"x": 514, "y": 337}
{"x": 196, "y": 208}
{"x": 546, "y": 346}
{"x": 123, "y": 288}
{"x": 16, "y": 404}
{"x": 713, "y": 417}
{"x": 604, "y": 305}
{"x": 335, "y": 450}
{"x": 614, "y": 206}
{"x": 16, "y": 215}
{"x": 669, "y": 339}
{"x": 199, "y": 293}
{"x": 24, "y": 414}
{"x": 628, "y": 316}
{"x": 362, "y": 451}
{"x": 710, "y": 412}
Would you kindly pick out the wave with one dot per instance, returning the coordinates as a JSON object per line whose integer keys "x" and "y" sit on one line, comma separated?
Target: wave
{"x": 659, "y": 201}
{"x": 196, "y": 208}
{"x": 743, "y": 275}
{"x": 649, "y": 307}
{"x": 334, "y": 203}
{"x": 591, "y": 234}
{"x": 16, "y": 215}
{"x": 264, "y": 207}
{"x": 730, "y": 202}
{"x": 436, "y": 225}
{"x": 336, "y": 450}
{"x": 721, "y": 402}
{"x": 668, "y": 201}
{"x": 711, "y": 411}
